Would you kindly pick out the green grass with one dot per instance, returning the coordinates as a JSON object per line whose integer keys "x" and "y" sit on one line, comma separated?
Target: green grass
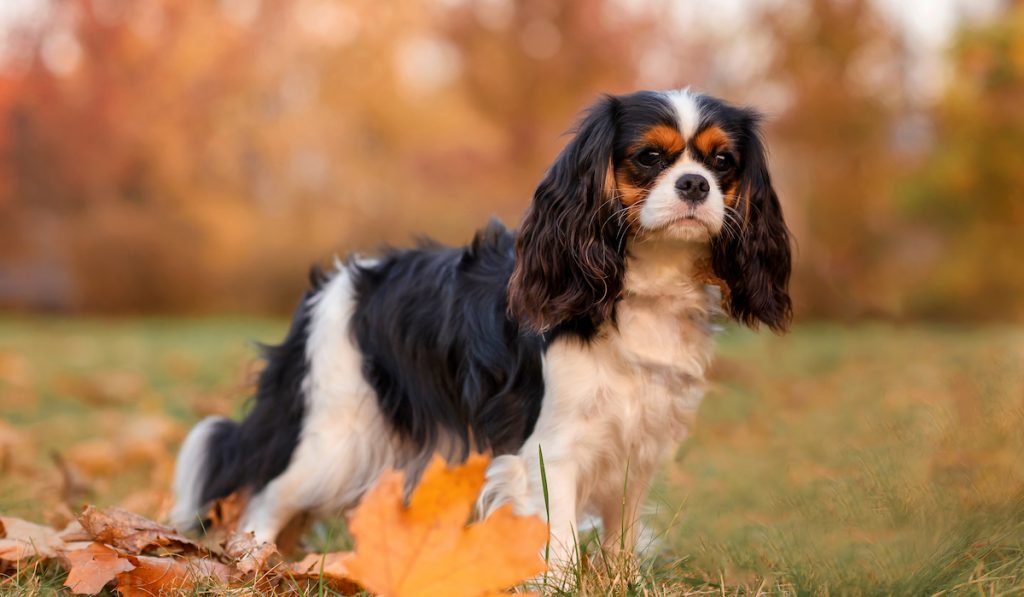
{"x": 859, "y": 460}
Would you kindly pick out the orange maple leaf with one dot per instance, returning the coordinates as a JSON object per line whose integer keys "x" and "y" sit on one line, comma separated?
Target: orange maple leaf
{"x": 426, "y": 549}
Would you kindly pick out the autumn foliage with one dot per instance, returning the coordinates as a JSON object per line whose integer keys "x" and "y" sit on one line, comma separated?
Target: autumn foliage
{"x": 424, "y": 548}
{"x": 165, "y": 156}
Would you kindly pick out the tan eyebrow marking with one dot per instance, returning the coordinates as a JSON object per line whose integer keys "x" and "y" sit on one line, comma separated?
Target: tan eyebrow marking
{"x": 710, "y": 139}
{"x": 665, "y": 137}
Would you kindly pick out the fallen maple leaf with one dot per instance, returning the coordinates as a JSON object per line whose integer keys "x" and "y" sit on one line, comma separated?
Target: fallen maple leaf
{"x": 225, "y": 514}
{"x": 93, "y": 567}
{"x": 16, "y": 448}
{"x": 20, "y": 539}
{"x": 251, "y": 556}
{"x": 74, "y": 531}
{"x": 74, "y": 487}
{"x": 150, "y": 576}
{"x": 423, "y": 549}
{"x": 426, "y": 549}
{"x": 330, "y": 567}
{"x": 332, "y": 564}
{"x": 133, "y": 533}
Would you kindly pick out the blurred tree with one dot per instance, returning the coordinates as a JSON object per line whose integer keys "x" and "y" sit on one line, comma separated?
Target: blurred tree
{"x": 166, "y": 156}
{"x": 108, "y": 153}
{"x": 160, "y": 155}
{"x": 534, "y": 67}
{"x": 839, "y": 66}
{"x": 969, "y": 195}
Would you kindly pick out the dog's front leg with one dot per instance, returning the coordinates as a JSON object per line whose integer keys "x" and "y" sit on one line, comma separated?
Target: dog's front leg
{"x": 620, "y": 515}
{"x": 561, "y": 509}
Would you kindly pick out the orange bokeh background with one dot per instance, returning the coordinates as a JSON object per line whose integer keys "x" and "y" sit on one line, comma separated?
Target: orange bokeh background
{"x": 162, "y": 156}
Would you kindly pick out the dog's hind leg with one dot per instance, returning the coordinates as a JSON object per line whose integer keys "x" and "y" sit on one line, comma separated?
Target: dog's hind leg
{"x": 337, "y": 460}
{"x": 270, "y": 510}
{"x": 344, "y": 443}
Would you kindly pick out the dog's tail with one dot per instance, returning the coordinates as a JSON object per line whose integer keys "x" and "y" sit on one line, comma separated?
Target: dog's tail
{"x": 221, "y": 456}
{"x": 208, "y": 453}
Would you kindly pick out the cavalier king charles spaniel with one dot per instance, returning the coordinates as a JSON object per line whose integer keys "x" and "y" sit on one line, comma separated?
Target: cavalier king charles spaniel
{"x": 582, "y": 339}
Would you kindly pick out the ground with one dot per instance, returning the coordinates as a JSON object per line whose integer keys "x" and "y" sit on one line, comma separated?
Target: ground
{"x": 862, "y": 459}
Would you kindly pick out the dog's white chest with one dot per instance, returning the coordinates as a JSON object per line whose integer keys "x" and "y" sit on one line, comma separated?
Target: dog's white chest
{"x": 635, "y": 384}
{"x": 628, "y": 396}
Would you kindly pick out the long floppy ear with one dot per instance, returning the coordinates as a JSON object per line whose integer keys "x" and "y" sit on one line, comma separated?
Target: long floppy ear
{"x": 571, "y": 244}
{"x": 755, "y": 263}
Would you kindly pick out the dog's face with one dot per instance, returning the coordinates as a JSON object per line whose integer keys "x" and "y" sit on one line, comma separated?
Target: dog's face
{"x": 675, "y": 166}
{"x": 653, "y": 165}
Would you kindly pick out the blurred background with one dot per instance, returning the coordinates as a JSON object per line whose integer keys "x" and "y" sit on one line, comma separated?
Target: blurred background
{"x": 169, "y": 170}
{"x": 161, "y": 156}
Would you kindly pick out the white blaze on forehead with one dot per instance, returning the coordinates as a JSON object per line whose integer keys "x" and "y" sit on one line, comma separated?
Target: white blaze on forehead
{"x": 687, "y": 111}
{"x": 662, "y": 206}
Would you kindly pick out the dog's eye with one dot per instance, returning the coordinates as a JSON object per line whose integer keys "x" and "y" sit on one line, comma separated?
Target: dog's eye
{"x": 649, "y": 158}
{"x": 723, "y": 162}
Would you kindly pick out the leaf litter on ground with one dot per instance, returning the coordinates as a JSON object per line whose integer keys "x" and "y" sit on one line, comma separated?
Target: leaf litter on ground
{"x": 426, "y": 547}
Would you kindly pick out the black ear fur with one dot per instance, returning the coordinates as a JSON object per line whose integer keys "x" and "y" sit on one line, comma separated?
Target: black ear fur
{"x": 571, "y": 245}
{"x": 756, "y": 262}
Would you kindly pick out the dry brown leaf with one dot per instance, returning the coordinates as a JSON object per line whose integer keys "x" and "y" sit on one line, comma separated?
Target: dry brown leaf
{"x": 70, "y": 546}
{"x": 332, "y": 567}
{"x": 133, "y": 533}
{"x": 142, "y": 452}
{"x": 252, "y": 557}
{"x": 158, "y": 427}
{"x": 421, "y": 549}
{"x": 74, "y": 487}
{"x": 16, "y": 449}
{"x": 93, "y": 567}
{"x": 426, "y": 548}
{"x": 20, "y": 539}
{"x": 333, "y": 564}
{"x": 102, "y": 388}
{"x": 161, "y": 576}
{"x": 74, "y": 531}
{"x": 95, "y": 457}
{"x": 149, "y": 440}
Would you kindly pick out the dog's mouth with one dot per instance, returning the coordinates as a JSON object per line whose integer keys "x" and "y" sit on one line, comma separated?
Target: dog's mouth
{"x": 689, "y": 220}
{"x": 684, "y": 227}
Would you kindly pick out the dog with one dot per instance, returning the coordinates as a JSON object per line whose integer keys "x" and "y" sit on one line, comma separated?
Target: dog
{"x": 581, "y": 341}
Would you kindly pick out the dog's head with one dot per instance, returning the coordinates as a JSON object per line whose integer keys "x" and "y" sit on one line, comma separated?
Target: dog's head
{"x": 669, "y": 165}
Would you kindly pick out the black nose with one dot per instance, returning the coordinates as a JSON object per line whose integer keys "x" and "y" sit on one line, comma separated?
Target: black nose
{"x": 692, "y": 188}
